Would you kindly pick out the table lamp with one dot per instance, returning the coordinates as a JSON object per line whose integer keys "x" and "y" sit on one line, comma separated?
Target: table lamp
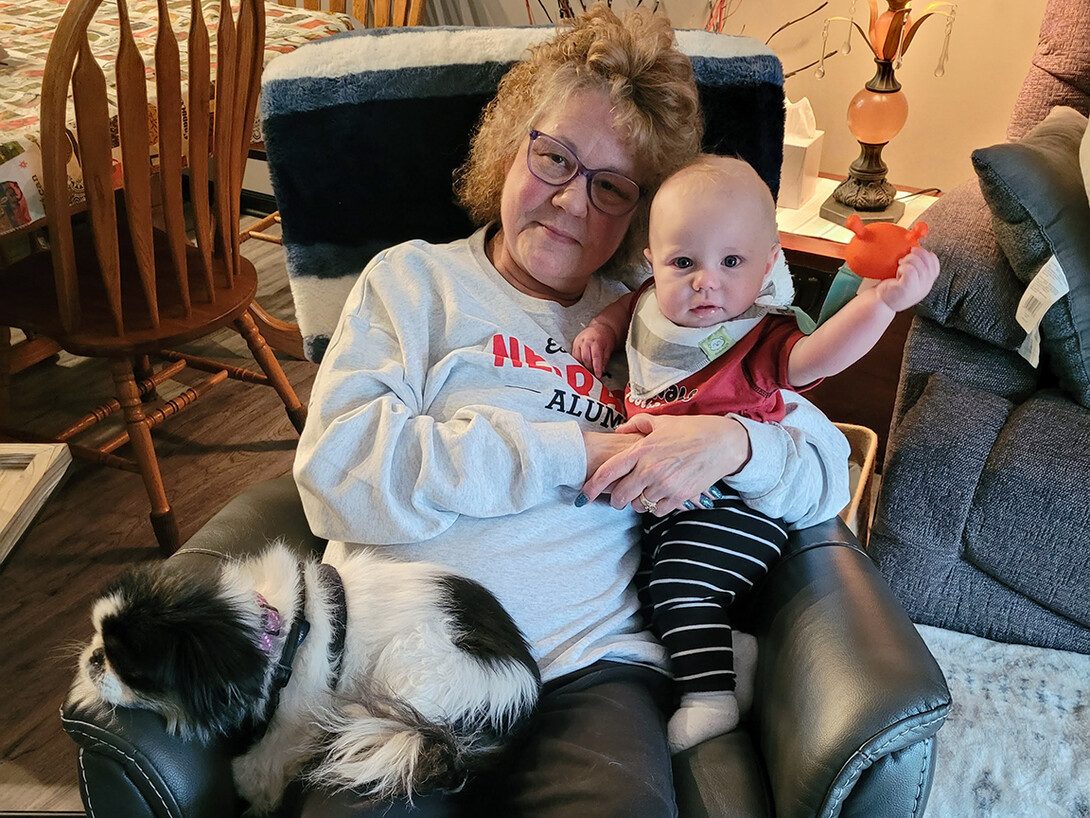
{"x": 878, "y": 112}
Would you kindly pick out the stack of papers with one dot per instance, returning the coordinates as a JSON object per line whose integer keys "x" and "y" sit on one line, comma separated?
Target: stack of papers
{"x": 29, "y": 472}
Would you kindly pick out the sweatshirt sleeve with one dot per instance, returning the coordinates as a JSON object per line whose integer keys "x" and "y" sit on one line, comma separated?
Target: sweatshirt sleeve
{"x": 373, "y": 466}
{"x": 798, "y": 471}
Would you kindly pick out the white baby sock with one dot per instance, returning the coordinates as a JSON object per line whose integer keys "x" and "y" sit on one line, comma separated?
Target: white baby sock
{"x": 701, "y": 716}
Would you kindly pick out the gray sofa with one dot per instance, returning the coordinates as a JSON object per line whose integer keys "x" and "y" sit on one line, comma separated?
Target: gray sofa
{"x": 983, "y": 519}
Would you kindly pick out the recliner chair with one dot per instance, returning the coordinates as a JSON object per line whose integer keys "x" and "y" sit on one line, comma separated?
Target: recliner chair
{"x": 848, "y": 699}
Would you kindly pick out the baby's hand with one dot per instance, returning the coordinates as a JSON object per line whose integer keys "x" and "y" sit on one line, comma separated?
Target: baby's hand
{"x": 916, "y": 274}
{"x": 593, "y": 346}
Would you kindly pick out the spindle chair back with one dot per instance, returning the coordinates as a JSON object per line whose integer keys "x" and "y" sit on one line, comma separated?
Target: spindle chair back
{"x": 153, "y": 261}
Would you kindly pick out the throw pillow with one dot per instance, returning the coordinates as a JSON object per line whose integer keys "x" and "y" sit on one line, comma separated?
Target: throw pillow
{"x": 977, "y": 292}
{"x": 1041, "y": 216}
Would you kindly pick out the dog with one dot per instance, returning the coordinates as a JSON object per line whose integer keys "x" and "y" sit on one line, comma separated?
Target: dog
{"x": 388, "y": 678}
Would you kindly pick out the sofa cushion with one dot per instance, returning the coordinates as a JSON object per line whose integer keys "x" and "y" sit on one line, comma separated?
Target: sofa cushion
{"x": 931, "y": 348}
{"x": 1035, "y": 191}
{"x": 942, "y": 535}
{"x": 976, "y": 292}
{"x": 1059, "y": 73}
{"x": 935, "y": 458}
{"x": 1029, "y": 519}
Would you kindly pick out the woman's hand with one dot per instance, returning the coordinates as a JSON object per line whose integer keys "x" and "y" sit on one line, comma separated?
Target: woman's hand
{"x": 675, "y": 459}
{"x": 601, "y": 446}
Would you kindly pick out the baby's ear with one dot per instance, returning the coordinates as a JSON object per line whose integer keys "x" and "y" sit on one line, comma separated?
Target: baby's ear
{"x": 647, "y": 255}
{"x": 773, "y": 254}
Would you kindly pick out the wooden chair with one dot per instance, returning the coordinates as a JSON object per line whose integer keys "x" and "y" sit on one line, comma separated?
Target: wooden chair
{"x": 284, "y": 335}
{"x": 126, "y": 280}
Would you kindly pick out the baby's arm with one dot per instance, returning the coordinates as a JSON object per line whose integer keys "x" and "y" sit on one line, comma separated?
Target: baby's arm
{"x": 849, "y": 334}
{"x": 593, "y": 346}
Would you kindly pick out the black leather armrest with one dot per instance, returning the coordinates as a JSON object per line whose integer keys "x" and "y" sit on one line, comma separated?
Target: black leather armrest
{"x": 848, "y": 697}
{"x": 261, "y": 514}
{"x": 128, "y": 764}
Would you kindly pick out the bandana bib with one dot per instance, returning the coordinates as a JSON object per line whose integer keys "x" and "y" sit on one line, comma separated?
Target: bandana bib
{"x": 660, "y": 353}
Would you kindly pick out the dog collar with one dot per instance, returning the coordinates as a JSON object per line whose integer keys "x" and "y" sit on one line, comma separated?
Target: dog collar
{"x": 270, "y": 625}
{"x": 298, "y": 632}
{"x": 271, "y": 622}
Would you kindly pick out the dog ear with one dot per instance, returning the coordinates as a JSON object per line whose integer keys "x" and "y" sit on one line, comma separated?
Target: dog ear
{"x": 174, "y": 636}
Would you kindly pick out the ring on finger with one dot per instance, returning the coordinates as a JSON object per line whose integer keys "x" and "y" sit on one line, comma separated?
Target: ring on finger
{"x": 647, "y": 504}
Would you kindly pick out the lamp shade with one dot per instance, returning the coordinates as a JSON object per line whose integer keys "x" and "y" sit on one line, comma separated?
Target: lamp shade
{"x": 874, "y": 117}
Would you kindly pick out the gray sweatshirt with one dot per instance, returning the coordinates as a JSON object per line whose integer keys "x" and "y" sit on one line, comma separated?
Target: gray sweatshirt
{"x": 445, "y": 425}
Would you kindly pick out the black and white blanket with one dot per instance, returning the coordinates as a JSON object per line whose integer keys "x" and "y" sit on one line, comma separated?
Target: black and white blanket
{"x": 363, "y": 131}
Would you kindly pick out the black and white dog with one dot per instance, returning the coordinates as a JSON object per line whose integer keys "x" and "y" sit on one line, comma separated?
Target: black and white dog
{"x": 390, "y": 678}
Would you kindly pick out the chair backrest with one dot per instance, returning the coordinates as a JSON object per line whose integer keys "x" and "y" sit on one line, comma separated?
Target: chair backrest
{"x": 151, "y": 142}
{"x": 372, "y": 13}
{"x": 396, "y": 110}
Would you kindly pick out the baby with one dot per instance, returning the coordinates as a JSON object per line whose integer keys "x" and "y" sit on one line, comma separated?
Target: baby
{"x": 711, "y": 334}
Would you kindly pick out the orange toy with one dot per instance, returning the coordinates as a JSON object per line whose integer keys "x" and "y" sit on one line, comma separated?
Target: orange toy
{"x": 876, "y": 248}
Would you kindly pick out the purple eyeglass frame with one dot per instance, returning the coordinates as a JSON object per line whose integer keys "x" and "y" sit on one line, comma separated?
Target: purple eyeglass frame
{"x": 580, "y": 170}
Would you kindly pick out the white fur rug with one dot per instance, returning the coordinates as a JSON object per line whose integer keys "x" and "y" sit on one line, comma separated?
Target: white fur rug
{"x": 1017, "y": 741}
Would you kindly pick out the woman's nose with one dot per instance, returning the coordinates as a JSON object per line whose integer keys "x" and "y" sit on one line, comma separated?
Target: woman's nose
{"x": 572, "y": 197}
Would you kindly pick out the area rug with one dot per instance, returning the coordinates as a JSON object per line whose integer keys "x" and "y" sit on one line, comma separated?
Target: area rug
{"x": 1017, "y": 741}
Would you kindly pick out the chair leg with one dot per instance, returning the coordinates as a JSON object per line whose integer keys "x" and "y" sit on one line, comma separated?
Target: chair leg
{"x": 162, "y": 515}
{"x": 143, "y": 370}
{"x": 265, "y": 358}
{"x": 282, "y": 336}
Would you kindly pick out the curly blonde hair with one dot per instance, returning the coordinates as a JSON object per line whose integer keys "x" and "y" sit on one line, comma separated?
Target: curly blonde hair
{"x": 649, "y": 81}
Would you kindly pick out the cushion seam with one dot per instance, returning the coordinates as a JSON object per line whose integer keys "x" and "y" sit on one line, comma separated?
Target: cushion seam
{"x": 840, "y": 791}
{"x": 98, "y": 741}
{"x": 924, "y": 764}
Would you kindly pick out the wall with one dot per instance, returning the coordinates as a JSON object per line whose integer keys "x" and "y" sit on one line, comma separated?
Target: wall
{"x": 990, "y": 49}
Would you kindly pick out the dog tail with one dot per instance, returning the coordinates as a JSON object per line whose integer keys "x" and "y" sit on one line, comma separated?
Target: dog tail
{"x": 387, "y": 749}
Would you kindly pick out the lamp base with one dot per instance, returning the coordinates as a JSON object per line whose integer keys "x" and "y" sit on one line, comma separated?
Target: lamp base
{"x": 834, "y": 211}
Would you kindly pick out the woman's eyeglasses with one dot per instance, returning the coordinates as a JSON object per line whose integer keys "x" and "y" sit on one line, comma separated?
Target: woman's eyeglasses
{"x": 555, "y": 164}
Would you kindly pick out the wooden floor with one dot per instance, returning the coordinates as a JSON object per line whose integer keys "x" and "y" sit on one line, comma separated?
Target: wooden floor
{"x": 96, "y": 524}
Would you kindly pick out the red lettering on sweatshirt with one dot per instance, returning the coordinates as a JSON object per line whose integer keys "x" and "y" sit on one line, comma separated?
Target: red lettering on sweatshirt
{"x": 510, "y": 351}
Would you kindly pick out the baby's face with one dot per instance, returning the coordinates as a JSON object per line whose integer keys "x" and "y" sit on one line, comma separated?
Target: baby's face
{"x": 710, "y": 250}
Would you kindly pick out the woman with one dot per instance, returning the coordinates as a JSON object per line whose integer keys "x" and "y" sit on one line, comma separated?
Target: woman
{"x": 449, "y": 423}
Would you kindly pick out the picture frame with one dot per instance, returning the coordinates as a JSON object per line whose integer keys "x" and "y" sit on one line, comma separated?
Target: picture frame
{"x": 29, "y": 473}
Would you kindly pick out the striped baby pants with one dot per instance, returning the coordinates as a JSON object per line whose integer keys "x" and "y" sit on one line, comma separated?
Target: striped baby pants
{"x": 695, "y": 565}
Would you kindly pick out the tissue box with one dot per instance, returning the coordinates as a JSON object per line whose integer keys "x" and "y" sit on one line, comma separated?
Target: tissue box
{"x": 799, "y": 173}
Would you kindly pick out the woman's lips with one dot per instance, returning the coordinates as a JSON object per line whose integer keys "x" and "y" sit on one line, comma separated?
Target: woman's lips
{"x": 559, "y": 235}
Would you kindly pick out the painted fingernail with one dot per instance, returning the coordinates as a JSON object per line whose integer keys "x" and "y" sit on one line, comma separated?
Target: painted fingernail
{"x": 716, "y": 493}
{"x": 689, "y": 505}
{"x": 581, "y": 500}
{"x": 707, "y": 502}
